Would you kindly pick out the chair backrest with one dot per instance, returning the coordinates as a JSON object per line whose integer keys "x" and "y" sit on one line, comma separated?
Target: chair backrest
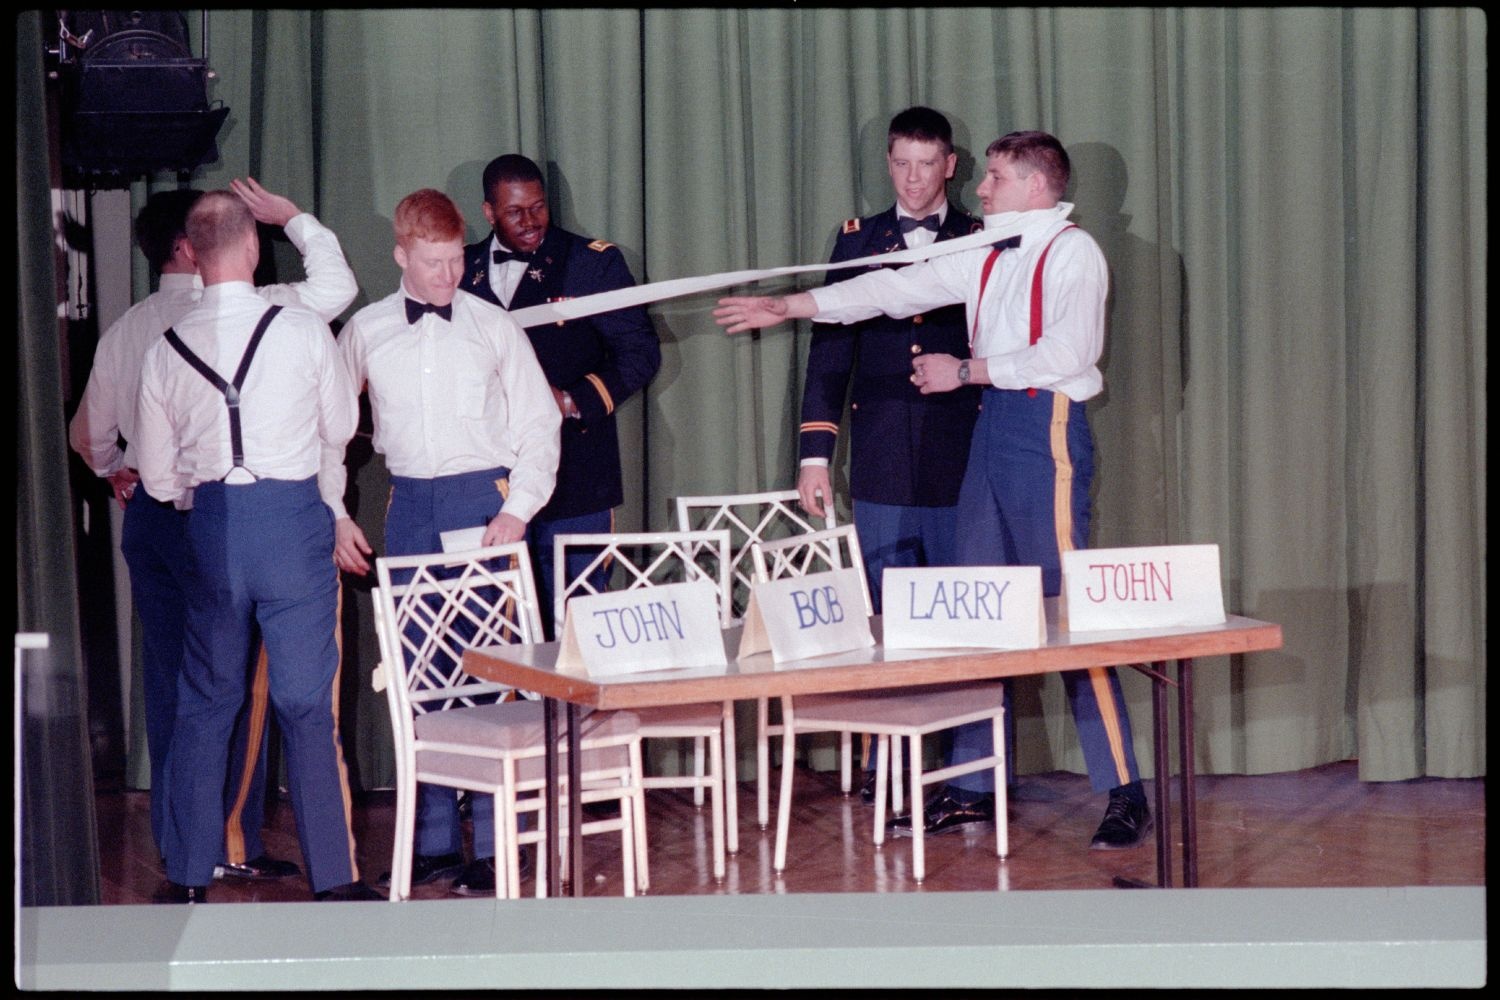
{"x": 818, "y": 552}
{"x": 749, "y": 518}
{"x": 642, "y": 559}
{"x": 432, "y": 607}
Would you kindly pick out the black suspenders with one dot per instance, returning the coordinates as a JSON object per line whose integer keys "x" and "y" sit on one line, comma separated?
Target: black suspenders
{"x": 231, "y": 391}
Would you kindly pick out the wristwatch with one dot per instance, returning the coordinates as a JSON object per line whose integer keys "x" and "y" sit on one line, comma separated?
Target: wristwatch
{"x": 963, "y": 372}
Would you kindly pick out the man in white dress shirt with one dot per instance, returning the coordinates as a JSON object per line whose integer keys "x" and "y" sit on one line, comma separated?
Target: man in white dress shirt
{"x": 470, "y": 432}
{"x": 237, "y": 402}
{"x": 1036, "y": 306}
{"x": 154, "y": 539}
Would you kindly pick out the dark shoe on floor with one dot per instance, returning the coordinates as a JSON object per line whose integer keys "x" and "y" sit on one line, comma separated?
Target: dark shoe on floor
{"x": 349, "y": 892}
{"x": 174, "y": 893}
{"x": 262, "y": 869}
{"x": 946, "y": 812}
{"x": 867, "y": 790}
{"x": 1126, "y": 823}
{"x": 428, "y": 868}
{"x": 476, "y": 880}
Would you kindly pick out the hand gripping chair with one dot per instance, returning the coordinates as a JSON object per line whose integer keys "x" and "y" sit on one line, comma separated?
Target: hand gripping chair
{"x": 910, "y": 713}
{"x": 751, "y": 518}
{"x": 448, "y": 729}
{"x": 648, "y": 559}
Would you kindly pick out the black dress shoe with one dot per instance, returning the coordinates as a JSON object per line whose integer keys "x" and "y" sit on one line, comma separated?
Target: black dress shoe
{"x": 428, "y": 868}
{"x": 349, "y": 892}
{"x": 476, "y": 880}
{"x": 262, "y": 869}
{"x": 174, "y": 893}
{"x": 946, "y": 812}
{"x": 867, "y": 790}
{"x": 1126, "y": 823}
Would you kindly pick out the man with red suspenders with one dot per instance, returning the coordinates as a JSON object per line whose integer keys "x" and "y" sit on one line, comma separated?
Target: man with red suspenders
{"x": 1036, "y": 310}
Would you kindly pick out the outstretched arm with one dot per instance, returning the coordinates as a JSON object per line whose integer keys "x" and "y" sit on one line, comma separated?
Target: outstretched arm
{"x": 752, "y": 312}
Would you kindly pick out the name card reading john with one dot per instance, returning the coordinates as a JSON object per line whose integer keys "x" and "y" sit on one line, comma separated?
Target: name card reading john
{"x": 805, "y": 616}
{"x": 993, "y": 607}
{"x": 1158, "y": 586}
{"x": 649, "y": 628}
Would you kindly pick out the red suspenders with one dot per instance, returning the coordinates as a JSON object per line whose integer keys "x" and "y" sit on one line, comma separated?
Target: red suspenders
{"x": 1036, "y": 291}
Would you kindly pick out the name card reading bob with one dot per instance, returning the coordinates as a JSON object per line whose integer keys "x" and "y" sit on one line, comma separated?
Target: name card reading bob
{"x": 649, "y": 628}
{"x": 1158, "y": 586}
{"x": 805, "y": 616}
{"x": 996, "y": 607}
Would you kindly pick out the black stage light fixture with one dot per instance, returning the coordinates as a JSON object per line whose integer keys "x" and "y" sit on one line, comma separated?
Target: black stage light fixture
{"x": 134, "y": 99}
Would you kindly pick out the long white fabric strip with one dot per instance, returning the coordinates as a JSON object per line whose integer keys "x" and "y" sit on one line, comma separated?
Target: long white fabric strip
{"x": 996, "y": 228}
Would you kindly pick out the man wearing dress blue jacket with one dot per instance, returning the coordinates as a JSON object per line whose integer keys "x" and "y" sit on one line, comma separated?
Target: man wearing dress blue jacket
{"x": 593, "y": 364}
{"x": 907, "y": 451}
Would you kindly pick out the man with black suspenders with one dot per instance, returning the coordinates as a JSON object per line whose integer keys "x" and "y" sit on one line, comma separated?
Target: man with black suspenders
{"x": 154, "y": 538}
{"x": 237, "y": 402}
{"x": 1036, "y": 308}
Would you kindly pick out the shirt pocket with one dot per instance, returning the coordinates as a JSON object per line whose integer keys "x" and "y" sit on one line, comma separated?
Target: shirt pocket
{"x": 471, "y": 395}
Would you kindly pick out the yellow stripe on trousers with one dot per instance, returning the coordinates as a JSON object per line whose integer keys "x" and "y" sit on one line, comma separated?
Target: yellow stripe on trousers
{"x": 1062, "y": 512}
{"x": 338, "y": 749}
{"x": 234, "y": 836}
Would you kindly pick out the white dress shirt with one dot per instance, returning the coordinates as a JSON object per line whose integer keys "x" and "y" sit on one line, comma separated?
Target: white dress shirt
{"x": 1075, "y": 282}
{"x": 106, "y": 411}
{"x": 456, "y": 396}
{"x": 505, "y": 278}
{"x": 296, "y": 398}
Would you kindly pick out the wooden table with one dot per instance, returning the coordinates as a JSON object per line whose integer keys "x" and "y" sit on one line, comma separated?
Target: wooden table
{"x": 533, "y": 668}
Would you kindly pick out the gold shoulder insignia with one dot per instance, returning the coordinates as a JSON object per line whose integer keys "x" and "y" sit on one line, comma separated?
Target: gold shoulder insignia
{"x": 600, "y": 245}
{"x": 851, "y": 226}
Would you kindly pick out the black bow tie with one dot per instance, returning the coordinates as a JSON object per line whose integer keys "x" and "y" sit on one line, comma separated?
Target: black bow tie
{"x": 501, "y": 256}
{"x": 1013, "y": 242}
{"x": 908, "y": 223}
{"x": 415, "y": 309}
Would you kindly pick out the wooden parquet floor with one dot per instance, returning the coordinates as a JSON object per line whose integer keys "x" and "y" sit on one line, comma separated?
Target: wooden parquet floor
{"x": 1315, "y": 828}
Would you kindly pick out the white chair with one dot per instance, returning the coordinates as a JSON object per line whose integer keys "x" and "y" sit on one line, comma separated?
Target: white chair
{"x": 751, "y": 518}
{"x": 648, "y": 559}
{"x": 909, "y": 713}
{"x": 449, "y": 730}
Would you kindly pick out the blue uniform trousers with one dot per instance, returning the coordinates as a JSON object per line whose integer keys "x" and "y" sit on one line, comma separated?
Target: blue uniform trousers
{"x": 155, "y": 545}
{"x": 420, "y": 510}
{"x": 540, "y": 535}
{"x": 262, "y": 553}
{"x": 1024, "y": 501}
{"x": 898, "y": 535}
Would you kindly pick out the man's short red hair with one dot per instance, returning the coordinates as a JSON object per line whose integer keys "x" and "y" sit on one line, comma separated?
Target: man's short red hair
{"x": 428, "y": 215}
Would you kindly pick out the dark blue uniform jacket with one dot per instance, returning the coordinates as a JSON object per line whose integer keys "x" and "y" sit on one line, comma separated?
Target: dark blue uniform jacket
{"x": 905, "y": 448}
{"x": 599, "y": 360}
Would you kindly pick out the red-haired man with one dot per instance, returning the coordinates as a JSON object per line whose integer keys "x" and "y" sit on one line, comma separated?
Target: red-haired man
{"x": 470, "y": 434}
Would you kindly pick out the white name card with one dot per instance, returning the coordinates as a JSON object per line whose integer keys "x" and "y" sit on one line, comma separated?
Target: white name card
{"x": 803, "y": 616}
{"x": 995, "y": 607}
{"x": 1159, "y": 586}
{"x": 649, "y": 628}
{"x": 462, "y": 539}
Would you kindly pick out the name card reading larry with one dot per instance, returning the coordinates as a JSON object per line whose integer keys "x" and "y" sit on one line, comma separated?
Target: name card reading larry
{"x": 1158, "y": 586}
{"x": 805, "y": 616}
{"x": 649, "y": 628}
{"x": 994, "y": 607}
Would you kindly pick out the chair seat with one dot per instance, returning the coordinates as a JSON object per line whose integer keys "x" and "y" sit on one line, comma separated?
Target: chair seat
{"x": 515, "y": 729}
{"x": 902, "y": 712}
{"x": 680, "y": 720}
